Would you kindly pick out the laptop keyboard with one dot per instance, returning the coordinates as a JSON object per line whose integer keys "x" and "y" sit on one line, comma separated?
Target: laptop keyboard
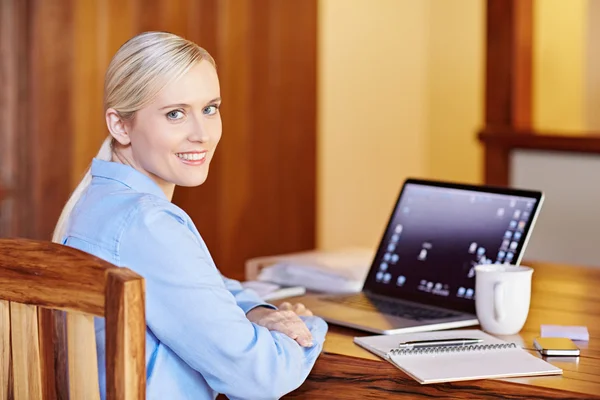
{"x": 388, "y": 307}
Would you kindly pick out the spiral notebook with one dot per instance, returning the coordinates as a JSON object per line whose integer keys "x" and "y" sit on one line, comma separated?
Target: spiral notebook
{"x": 492, "y": 358}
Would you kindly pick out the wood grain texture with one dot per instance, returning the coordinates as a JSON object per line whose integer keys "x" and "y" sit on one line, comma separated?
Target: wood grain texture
{"x": 5, "y": 357}
{"x": 15, "y": 175}
{"x": 44, "y": 265}
{"x": 260, "y": 195}
{"x": 26, "y": 364}
{"x": 561, "y": 294}
{"x": 90, "y": 59}
{"x": 34, "y": 129}
{"x": 43, "y": 344}
{"x": 53, "y": 353}
{"x": 8, "y": 74}
{"x": 50, "y": 71}
{"x": 125, "y": 335}
{"x": 341, "y": 377}
{"x": 82, "y": 356}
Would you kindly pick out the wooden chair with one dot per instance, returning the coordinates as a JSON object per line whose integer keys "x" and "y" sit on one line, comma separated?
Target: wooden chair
{"x": 49, "y": 294}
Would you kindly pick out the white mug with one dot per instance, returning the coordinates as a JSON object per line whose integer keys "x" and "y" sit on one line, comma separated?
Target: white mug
{"x": 502, "y": 297}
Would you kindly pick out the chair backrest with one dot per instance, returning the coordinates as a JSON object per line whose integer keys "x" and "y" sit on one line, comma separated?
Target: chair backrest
{"x": 49, "y": 294}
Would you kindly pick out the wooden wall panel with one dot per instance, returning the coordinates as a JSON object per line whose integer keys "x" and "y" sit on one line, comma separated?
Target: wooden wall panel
{"x": 8, "y": 74}
{"x": 260, "y": 195}
{"x": 265, "y": 168}
{"x": 90, "y": 59}
{"x": 50, "y": 99}
{"x": 14, "y": 119}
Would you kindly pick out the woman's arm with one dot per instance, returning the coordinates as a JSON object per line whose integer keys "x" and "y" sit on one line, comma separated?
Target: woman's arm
{"x": 190, "y": 309}
{"x": 246, "y": 299}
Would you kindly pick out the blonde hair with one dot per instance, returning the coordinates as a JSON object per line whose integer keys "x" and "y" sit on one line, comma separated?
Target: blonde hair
{"x": 139, "y": 70}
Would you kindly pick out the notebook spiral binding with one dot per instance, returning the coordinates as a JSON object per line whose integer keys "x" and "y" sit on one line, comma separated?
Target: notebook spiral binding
{"x": 451, "y": 349}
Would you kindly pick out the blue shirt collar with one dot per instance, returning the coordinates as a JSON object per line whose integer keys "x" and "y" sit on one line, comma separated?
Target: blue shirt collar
{"x": 126, "y": 175}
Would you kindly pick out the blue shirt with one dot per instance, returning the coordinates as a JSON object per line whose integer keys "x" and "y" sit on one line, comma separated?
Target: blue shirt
{"x": 198, "y": 340}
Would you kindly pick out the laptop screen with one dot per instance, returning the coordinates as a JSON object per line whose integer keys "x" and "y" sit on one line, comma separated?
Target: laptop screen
{"x": 439, "y": 232}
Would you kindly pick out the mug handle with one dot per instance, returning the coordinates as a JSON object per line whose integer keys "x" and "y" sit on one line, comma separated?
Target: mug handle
{"x": 498, "y": 301}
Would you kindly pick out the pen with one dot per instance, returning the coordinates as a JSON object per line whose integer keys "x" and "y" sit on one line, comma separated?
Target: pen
{"x": 439, "y": 342}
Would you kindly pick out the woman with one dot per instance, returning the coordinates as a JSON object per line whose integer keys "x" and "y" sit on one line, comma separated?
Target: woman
{"x": 205, "y": 334}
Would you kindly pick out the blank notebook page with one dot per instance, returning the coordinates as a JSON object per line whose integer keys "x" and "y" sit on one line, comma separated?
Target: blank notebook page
{"x": 493, "y": 358}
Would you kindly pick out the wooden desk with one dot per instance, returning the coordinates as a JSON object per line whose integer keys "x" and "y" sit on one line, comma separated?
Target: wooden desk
{"x": 561, "y": 294}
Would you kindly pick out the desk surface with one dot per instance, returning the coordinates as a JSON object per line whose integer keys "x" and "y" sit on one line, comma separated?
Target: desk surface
{"x": 561, "y": 295}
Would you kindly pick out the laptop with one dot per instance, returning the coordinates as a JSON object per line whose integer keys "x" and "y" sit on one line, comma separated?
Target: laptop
{"x": 422, "y": 277}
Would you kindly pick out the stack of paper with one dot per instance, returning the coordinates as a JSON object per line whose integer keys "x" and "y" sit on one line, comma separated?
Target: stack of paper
{"x": 341, "y": 271}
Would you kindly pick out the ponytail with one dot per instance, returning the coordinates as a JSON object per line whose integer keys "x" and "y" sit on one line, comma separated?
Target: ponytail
{"x": 104, "y": 154}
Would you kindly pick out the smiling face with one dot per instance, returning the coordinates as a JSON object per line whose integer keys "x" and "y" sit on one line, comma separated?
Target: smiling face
{"x": 173, "y": 139}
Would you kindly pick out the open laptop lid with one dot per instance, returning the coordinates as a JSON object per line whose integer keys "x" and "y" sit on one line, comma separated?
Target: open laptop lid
{"x": 439, "y": 231}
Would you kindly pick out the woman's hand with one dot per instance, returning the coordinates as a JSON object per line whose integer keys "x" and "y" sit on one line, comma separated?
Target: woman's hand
{"x": 298, "y": 308}
{"x": 285, "y": 320}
